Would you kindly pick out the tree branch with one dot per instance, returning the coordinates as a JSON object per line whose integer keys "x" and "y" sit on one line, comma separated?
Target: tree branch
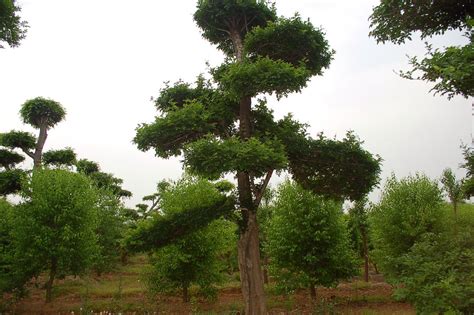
{"x": 259, "y": 195}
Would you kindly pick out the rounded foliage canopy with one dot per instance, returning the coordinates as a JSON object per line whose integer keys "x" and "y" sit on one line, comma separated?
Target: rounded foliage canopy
{"x": 307, "y": 237}
{"x": 41, "y": 112}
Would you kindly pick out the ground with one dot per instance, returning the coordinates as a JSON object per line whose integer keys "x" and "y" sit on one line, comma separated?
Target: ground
{"x": 124, "y": 292}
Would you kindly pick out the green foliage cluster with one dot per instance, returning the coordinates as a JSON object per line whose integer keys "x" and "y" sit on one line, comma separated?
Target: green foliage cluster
{"x": 451, "y": 69}
{"x": 64, "y": 157}
{"x": 396, "y": 21}
{"x": 204, "y": 204}
{"x": 262, "y": 75}
{"x": 18, "y": 139}
{"x": 54, "y": 226}
{"x": 211, "y": 157}
{"x": 12, "y": 28}
{"x": 194, "y": 258}
{"x": 10, "y": 181}
{"x": 220, "y": 20}
{"x": 338, "y": 169}
{"x": 408, "y": 209}
{"x": 39, "y": 112}
{"x": 8, "y": 158}
{"x": 421, "y": 247}
{"x": 307, "y": 240}
{"x": 468, "y": 184}
{"x": 438, "y": 270}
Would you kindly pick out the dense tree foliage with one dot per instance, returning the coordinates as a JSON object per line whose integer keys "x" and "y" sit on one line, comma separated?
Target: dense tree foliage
{"x": 55, "y": 225}
{"x": 219, "y": 131}
{"x": 308, "y": 240}
{"x": 452, "y": 68}
{"x": 437, "y": 273}
{"x": 193, "y": 259}
{"x": 408, "y": 209}
{"x": 468, "y": 165}
{"x": 12, "y": 28}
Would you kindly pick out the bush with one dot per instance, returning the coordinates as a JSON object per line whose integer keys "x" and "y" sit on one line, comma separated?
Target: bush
{"x": 438, "y": 271}
{"x": 408, "y": 209}
{"x": 308, "y": 241}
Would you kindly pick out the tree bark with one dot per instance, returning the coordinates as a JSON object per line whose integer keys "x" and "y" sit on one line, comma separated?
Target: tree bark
{"x": 249, "y": 266}
{"x": 312, "y": 292}
{"x": 366, "y": 255}
{"x": 52, "y": 275}
{"x": 43, "y": 134}
{"x": 248, "y": 244}
{"x": 185, "y": 293}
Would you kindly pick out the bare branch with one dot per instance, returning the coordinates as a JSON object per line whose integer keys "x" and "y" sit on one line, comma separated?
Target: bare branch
{"x": 259, "y": 195}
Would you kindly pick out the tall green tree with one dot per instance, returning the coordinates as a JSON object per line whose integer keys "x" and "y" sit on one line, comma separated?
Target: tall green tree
{"x": 451, "y": 68}
{"x": 468, "y": 165}
{"x": 308, "y": 240}
{"x": 55, "y": 225}
{"x": 220, "y": 129}
{"x": 12, "y": 28}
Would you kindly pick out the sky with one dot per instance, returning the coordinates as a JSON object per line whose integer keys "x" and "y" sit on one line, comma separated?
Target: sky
{"x": 104, "y": 60}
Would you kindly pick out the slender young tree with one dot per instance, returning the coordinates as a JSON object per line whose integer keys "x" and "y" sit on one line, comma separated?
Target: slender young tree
{"x": 453, "y": 188}
{"x": 220, "y": 130}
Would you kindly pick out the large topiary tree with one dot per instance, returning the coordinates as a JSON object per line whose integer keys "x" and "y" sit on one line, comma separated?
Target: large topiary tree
{"x": 220, "y": 130}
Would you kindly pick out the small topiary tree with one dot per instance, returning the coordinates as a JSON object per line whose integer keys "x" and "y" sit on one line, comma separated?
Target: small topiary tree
{"x": 42, "y": 114}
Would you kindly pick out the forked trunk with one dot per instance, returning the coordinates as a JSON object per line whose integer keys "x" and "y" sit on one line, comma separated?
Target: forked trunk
{"x": 249, "y": 266}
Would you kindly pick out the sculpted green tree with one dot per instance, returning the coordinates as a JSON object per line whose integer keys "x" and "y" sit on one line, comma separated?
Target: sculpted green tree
{"x": 193, "y": 259}
{"x": 220, "y": 130}
{"x": 308, "y": 240}
{"x": 451, "y": 69}
{"x": 42, "y": 114}
{"x": 12, "y": 28}
{"x": 10, "y": 175}
{"x": 55, "y": 225}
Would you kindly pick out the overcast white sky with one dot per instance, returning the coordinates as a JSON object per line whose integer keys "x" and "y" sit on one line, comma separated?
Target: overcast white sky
{"x": 104, "y": 59}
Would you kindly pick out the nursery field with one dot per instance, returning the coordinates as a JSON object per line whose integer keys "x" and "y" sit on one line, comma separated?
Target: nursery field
{"x": 123, "y": 292}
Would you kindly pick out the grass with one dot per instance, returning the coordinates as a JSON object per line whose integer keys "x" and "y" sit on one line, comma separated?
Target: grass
{"x": 124, "y": 291}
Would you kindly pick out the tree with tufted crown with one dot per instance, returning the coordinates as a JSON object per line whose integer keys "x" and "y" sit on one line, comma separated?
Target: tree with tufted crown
{"x": 219, "y": 130}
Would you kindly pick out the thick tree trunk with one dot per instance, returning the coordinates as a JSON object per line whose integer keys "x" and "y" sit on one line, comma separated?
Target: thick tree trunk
{"x": 248, "y": 245}
{"x": 249, "y": 266}
{"x": 312, "y": 292}
{"x": 366, "y": 255}
{"x": 52, "y": 275}
{"x": 39, "y": 146}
